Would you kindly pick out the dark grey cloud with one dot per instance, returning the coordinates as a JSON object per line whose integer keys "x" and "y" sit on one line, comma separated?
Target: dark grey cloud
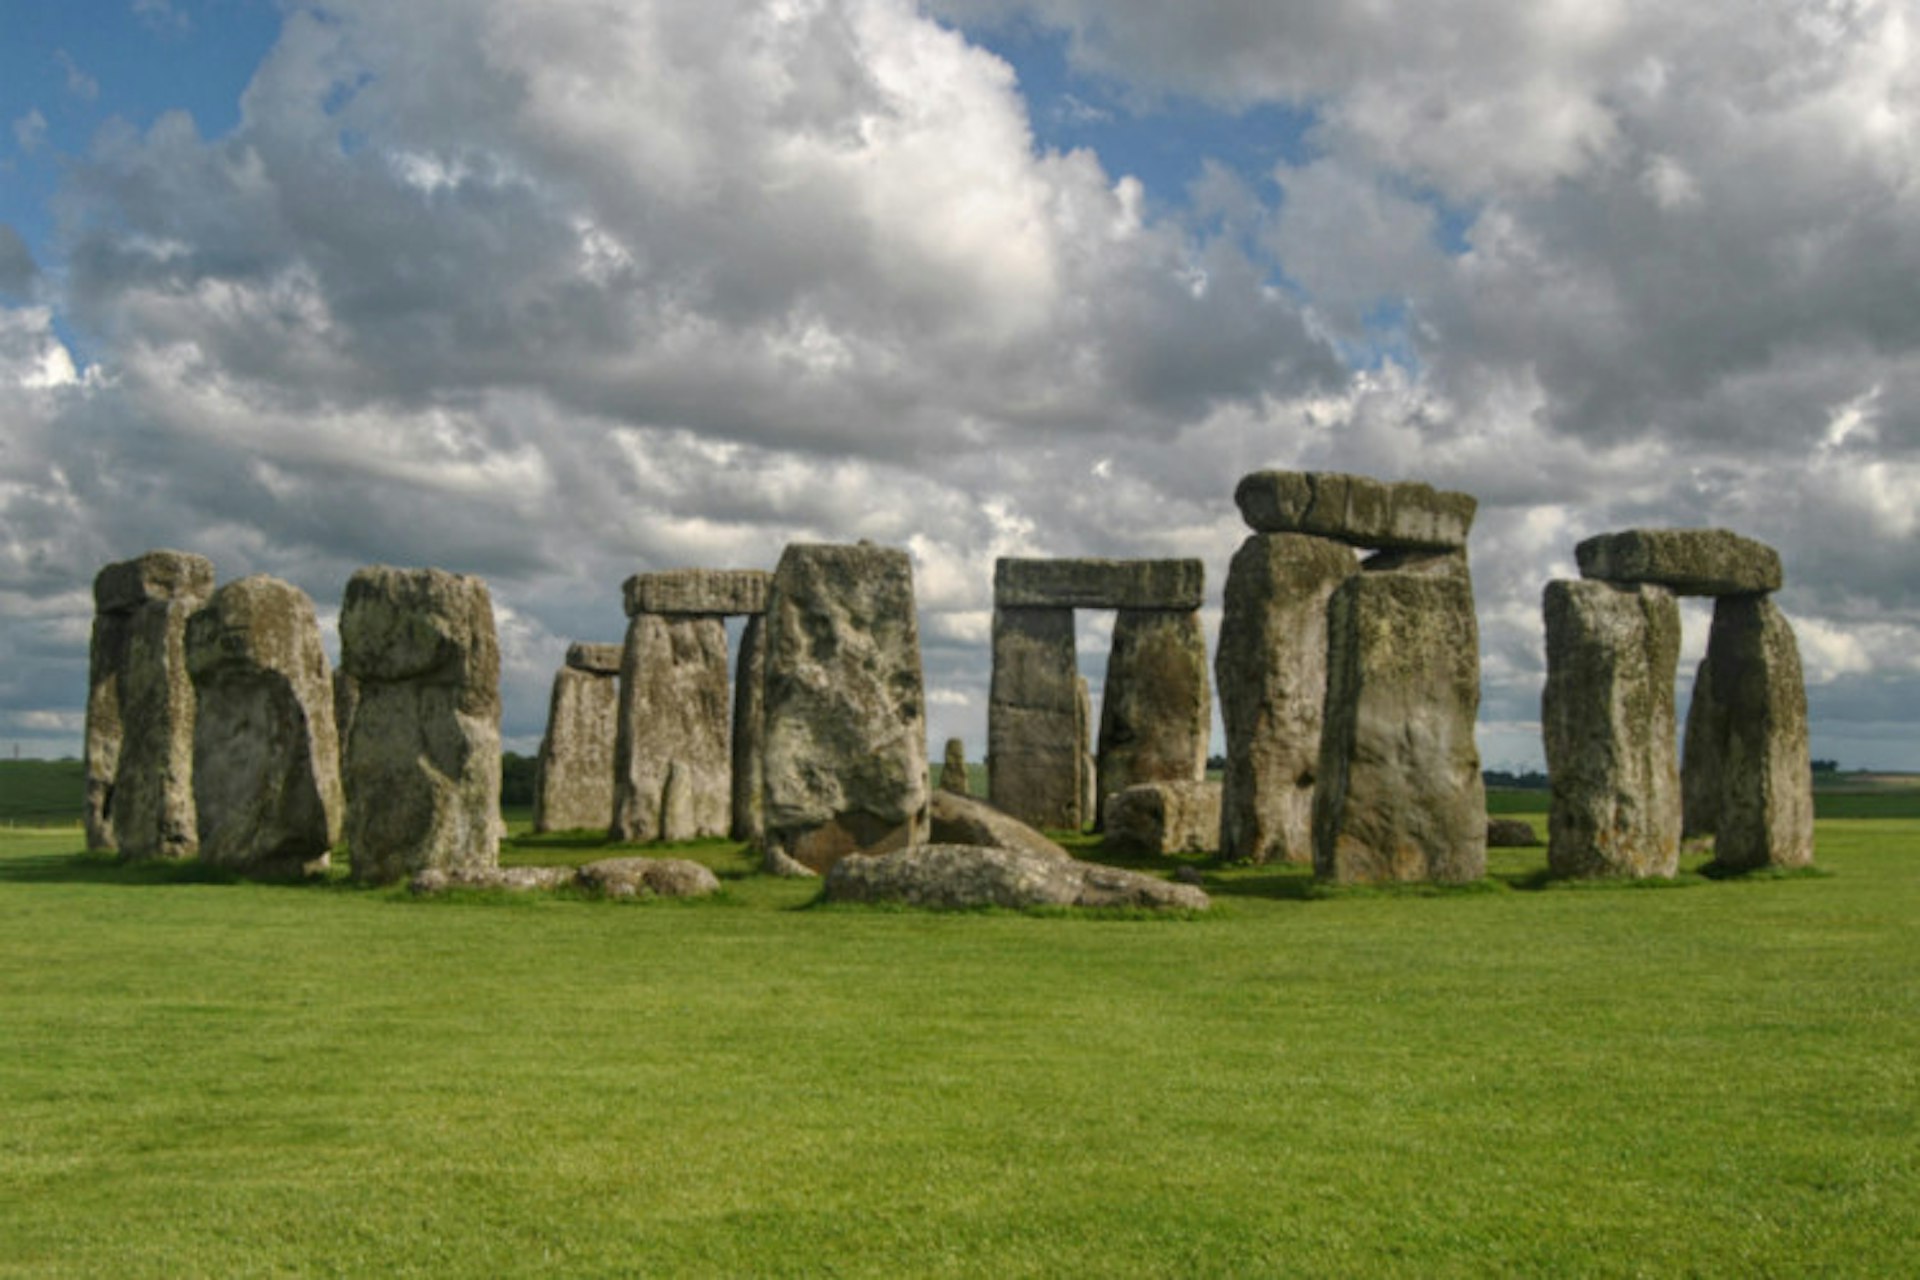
{"x": 18, "y": 270}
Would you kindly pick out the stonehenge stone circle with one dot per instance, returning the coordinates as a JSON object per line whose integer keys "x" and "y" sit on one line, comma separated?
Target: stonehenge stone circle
{"x": 1156, "y": 709}
{"x": 672, "y": 764}
{"x": 1607, "y": 718}
{"x": 846, "y": 735}
{"x": 573, "y": 785}
{"x": 749, "y": 731}
{"x": 423, "y": 755}
{"x": 953, "y": 769}
{"x": 1365, "y": 512}
{"x": 1164, "y": 817}
{"x": 1766, "y": 775}
{"x": 1271, "y": 672}
{"x": 266, "y": 758}
{"x": 956, "y": 877}
{"x": 140, "y": 706}
{"x": 1688, "y": 562}
{"x": 1399, "y": 794}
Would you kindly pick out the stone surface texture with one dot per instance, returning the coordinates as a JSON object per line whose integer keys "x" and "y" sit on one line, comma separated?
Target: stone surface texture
{"x": 1356, "y": 509}
{"x": 648, "y": 878}
{"x": 953, "y": 769}
{"x": 749, "y": 733}
{"x": 1271, "y": 671}
{"x": 1689, "y": 562}
{"x": 1156, "y": 710}
{"x": 1607, "y": 722}
{"x": 956, "y": 877}
{"x": 1098, "y": 584}
{"x": 697, "y": 591}
{"x": 266, "y": 757}
{"x": 1034, "y": 734}
{"x": 1086, "y": 778}
{"x": 672, "y": 770}
{"x": 1700, "y": 749}
{"x": 422, "y": 759}
{"x": 142, "y": 654}
{"x": 573, "y": 783}
{"x": 846, "y": 733}
{"x": 958, "y": 819}
{"x": 1164, "y": 817}
{"x": 1766, "y": 775}
{"x": 599, "y": 659}
{"x": 511, "y": 879}
{"x": 106, "y": 659}
{"x": 1399, "y": 794}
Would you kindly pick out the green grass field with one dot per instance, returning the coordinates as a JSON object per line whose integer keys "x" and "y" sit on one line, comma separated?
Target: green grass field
{"x": 204, "y": 1077}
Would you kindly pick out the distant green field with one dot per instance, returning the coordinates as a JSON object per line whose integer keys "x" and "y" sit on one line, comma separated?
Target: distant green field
{"x": 42, "y": 792}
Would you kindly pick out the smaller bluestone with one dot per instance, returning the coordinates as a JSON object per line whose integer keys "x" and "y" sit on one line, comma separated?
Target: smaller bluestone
{"x": 953, "y": 769}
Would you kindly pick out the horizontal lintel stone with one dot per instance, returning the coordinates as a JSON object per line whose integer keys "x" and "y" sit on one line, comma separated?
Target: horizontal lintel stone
{"x": 1358, "y": 510}
{"x": 1098, "y": 584}
{"x": 157, "y": 575}
{"x": 600, "y": 659}
{"x": 1689, "y": 562}
{"x": 698, "y": 591}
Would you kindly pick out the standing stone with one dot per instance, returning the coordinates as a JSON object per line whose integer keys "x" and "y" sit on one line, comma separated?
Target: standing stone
{"x": 1271, "y": 667}
{"x": 1033, "y": 742}
{"x": 107, "y": 658}
{"x": 141, "y": 654}
{"x": 1155, "y": 709}
{"x": 672, "y": 764}
{"x": 1607, "y": 718}
{"x": 846, "y": 746}
{"x": 266, "y": 758}
{"x": 1086, "y": 778}
{"x": 1399, "y": 794}
{"x": 1766, "y": 776}
{"x": 953, "y": 770}
{"x": 423, "y": 756}
{"x": 573, "y": 784}
{"x": 1706, "y": 739}
{"x": 749, "y": 732}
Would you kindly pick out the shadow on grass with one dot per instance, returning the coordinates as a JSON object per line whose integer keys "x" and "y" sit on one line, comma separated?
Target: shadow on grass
{"x": 109, "y": 868}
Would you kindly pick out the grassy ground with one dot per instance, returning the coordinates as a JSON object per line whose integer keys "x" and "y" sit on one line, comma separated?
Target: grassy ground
{"x": 41, "y": 792}
{"x": 203, "y": 1077}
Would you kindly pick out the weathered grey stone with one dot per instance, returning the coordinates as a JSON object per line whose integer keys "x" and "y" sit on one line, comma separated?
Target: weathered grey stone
{"x": 512, "y": 879}
{"x": 346, "y": 697}
{"x": 775, "y": 863}
{"x": 1271, "y": 667}
{"x": 960, "y": 819}
{"x": 1511, "y": 833}
{"x": 846, "y": 745}
{"x": 1700, "y": 750}
{"x": 573, "y": 783}
{"x": 599, "y": 659}
{"x": 1086, "y": 784}
{"x": 1399, "y": 794}
{"x": 1356, "y": 509}
{"x": 1766, "y": 776}
{"x": 1689, "y": 562}
{"x": 648, "y": 878}
{"x": 953, "y": 769}
{"x": 1156, "y": 711}
{"x": 698, "y": 591}
{"x": 956, "y": 877}
{"x": 672, "y": 772}
{"x": 749, "y": 732}
{"x": 1164, "y": 817}
{"x": 1607, "y": 720}
{"x": 266, "y": 757}
{"x": 1098, "y": 584}
{"x": 1034, "y": 739}
{"x": 139, "y": 670}
{"x": 423, "y": 755}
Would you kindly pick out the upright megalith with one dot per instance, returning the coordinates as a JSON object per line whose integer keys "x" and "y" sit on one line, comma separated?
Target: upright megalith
{"x": 1086, "y": 781}
{"x": 846, "y": 736}
{"x": 953, "y": 769}
{"x": 1271, "y": 671}
{"x": 1399, "y": 794}
{"x": 1700, "y": 757}
{"x": 1156, "y": 708}
{"x": 266, "y": 758}
{"x": 140, "y": 707}
{"x": 1766, "y": 775}
{"x": 573, "y": 782}
{"x": 749, "y": 730}
{"x": 1607, "y": 717}
{"x": 423, "y": 755}
{"x": 1034, "y": 730}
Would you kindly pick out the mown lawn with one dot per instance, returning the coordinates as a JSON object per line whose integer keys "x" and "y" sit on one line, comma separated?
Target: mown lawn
{"x": 204, "y": 1078}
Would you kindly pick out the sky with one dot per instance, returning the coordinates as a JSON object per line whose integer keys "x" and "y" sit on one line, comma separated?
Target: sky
{"x": 556, "y": 293}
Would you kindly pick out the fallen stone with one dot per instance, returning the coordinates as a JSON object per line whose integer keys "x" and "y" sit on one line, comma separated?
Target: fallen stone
{"x": 1036, "y": 731}
{"x": 958, "y": 819}
{"x": 648, "y": 878}
{"x": 573, "y": 782}
{"x": 1356, "y": 509}
{"x": 672, "y": 768}
{"x": 511, "y": 879}
{"x": 1688, "y": 562}
{"x": 749, "y": 733}
{"x": 1156, "y": 710}
{"x": 1164, "y": 817}
{"x": 957, "y": 877}
{"x": 1607, "y": 722}
{"x": 1271, "y": 669}
{"x": 266, "y": 758}
{"x": 422, "y": 761}
{"x": 953, "y": 769}
{"x": 1766, "y": 776}
{"x": 846, "y": 745}
{"x": 1511, "y": 833}
{"x": 698, "y": 591}
{"x": 1098, "y": 584}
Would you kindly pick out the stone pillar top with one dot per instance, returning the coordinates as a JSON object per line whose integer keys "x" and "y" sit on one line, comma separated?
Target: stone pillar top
{"x": 1359, "y": 510}
{"x": 157, "y": 575}
{"x": 698, "y": 591}
{"x": 599, "y": 659}
{"x": 1098, "y": 584}
{"x": 1689, "y": 562}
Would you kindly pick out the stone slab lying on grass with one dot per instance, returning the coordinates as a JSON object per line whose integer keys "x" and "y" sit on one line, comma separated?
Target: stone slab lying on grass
{"x": 1356, "y": 509}
{"x": 959, "y": 819}
{"x": 953, "y": 876}
{"x": 1689, "y": 562}
{"x": 1098, "y": 584}
{"x": 516, "y": 879}
{"x": 1165, "y": 817}
{"x": 698, "y": 591}
{"x": 1511, "y": 833}
{"x": 648, "y": 877}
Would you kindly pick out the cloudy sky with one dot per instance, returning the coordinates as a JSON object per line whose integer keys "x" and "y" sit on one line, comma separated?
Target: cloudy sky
{"x": 559, "y": 292}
